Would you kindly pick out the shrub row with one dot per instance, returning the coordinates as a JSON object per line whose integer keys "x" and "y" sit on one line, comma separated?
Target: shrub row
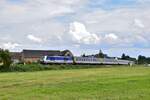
{"x": 40, "y": 67}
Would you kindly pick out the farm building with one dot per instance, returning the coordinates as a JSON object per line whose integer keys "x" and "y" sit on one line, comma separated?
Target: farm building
{"x": 30, "y": 56}
{"x": 16, "y": 57}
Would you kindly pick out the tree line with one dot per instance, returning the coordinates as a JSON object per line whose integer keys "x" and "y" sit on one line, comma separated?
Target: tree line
{"x": 140, "y": 60}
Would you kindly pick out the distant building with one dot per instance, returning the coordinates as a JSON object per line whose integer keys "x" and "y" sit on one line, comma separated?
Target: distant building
{"x": 30, "y": 56}
{"x": 16, "y": 57}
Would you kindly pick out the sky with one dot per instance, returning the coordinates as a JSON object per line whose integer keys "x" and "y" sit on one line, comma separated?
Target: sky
{"x": 82, "y": 26}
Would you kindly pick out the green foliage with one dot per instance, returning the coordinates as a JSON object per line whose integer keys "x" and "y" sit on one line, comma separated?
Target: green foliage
{"x": 123, "y": 56}
{"x": 143, "y": 60}
{"x": 101, "y": 54}
{"x": 126, "y": 57}
{"x": 5, "y": 58}
{"x": 40, "y": 67}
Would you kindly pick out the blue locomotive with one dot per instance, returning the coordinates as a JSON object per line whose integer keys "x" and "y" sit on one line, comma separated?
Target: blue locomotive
{"x": 57, "y": 60}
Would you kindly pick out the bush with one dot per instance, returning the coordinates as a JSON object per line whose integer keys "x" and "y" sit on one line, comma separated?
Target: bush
{"x": 40, "y": 67}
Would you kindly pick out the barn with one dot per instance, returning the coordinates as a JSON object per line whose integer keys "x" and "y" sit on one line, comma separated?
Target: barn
{"x": 31, "y": 56}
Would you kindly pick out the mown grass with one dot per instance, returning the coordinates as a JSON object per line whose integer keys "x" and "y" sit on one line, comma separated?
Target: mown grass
{"x": 113, "y": 83}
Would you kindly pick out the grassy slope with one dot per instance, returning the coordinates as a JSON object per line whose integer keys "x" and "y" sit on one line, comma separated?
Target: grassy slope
{"x": 120, "y": 83}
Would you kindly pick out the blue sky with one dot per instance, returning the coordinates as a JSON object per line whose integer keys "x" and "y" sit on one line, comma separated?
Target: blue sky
{"x": 110, "y": 4}
{"x": 83, "y": 26}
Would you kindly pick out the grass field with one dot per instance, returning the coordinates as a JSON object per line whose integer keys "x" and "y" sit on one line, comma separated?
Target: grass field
{"x": 114, "y": 83}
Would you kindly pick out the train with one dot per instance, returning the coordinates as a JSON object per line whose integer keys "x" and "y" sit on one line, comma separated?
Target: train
{"x": 83, "y": 60}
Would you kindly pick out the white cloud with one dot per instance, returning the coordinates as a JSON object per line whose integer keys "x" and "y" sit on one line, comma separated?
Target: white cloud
{"x": 36, "y": 10}
{"x": 48, "y": 20}
{"x": 111, "y": 38}
{"x": 79, "y": 34}
{"x": 125, "y": 23}
{"x": 34, "y": 38}
{"x": 140, "y": 39}
{"x": 122, "y": 20}
{"x": 139, "y": 23}
{"x": 10, "y": 45}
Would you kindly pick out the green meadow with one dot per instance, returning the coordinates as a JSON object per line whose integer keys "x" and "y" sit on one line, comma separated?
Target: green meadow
{"x": 112, "y": 83}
